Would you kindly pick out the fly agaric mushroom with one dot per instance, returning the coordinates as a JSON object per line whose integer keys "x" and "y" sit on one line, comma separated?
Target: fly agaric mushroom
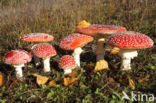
{"x": 17, "y": 58}
{"x": 67, "y": 63}
{"x": 36, "y": 37}
{"x": 128, "y": 42}
{"x": 44, "y": 51}
{"x": 75, "y": 41}
{"x": 100, "y": 31}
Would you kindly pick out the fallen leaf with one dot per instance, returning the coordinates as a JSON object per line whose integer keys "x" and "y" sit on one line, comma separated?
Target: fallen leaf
{"x": 1, "y": 79}
{"x": 13, "y": 84}
{"x": 68, "y": 81}
{"x": 101, "y": 65}
{"x": 52, "y": 82}
{"x": 115, "y": 50}
{"x": 72, "y": 74}
{"x": 131, "y": 84}
{"x": 110, "y": 79}
{"x": 83, "y": 23}
{"x": 41, "y": 79}
{"x": 142, "y": 80}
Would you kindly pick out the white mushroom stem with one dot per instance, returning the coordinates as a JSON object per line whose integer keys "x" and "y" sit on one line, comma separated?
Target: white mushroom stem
{"x": 46, "y": 63}
{"x": 76, "y": 55}
{"x": 100, "y": 49}
{"x": 67, "y": 71}
{"x": 18, "y": 69}
{"x": 126, "y": 56}
{"x": 36, "y": 59}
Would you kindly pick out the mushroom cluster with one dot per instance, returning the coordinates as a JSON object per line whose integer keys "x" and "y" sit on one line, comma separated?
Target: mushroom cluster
{"x": 36, "y": 38}
{"x": 74, "y": 42}
{"x": 101, "y": 32}
{"x": 127, "y": 41}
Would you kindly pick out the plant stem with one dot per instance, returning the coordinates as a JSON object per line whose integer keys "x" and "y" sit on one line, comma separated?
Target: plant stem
{"x": 76, "y": 55}
{"x": 46, "y": 63}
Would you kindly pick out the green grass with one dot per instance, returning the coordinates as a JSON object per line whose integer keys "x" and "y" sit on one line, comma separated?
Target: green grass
{"x": 58, "y": 18}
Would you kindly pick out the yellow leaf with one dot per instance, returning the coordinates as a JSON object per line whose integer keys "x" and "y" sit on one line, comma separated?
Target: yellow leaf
{"x": 68, "y": 81}
{"x": 52, "y": 82}
{"x": 1, "y": 79}
{"x": 142, "y": 80}
{"x": 83, "y": 23}
{"x": 41, "y": 79}
{"x": 101, "y": 65}
{"x": 131, "y": 84}
{"x": 72, "y": 74}
{"x": 115, "y": 50}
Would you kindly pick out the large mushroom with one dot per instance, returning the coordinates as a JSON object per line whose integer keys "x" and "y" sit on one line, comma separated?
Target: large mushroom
{"x": 67, "y": 63}
{"x": 17, "y": 58}
{"x": 129, "y": 42}
{"x": 101, "y": 32}
{"x": 74, "y": 42}
{"x": 36, "y": 38}
{"x": 44, "y": 51}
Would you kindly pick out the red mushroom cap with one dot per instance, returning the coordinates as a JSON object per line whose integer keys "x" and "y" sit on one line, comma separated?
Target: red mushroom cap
{"x": 130, "y": 40}
{"x": 67, "y": 62}
{"x": 100, "y": 29}
{"x": 74, "y": 41}
{"x": 44, "y": 50}
{"x": 16, "y": 57}
{"x": 37, "y": 37}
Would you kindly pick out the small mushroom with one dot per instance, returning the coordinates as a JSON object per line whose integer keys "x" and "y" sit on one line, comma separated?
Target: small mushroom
{"x": 36, "y": 38}
{"x": 67, "y": 63}
{"x": 44, "y": 51}
{"x": 17, "y": 58}
{"x": 75, "y": 41}
{"x": 129, "y": 42}
{"x": 101, "y": 32}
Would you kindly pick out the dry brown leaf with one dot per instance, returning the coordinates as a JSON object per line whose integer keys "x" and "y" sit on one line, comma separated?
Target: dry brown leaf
{"x": 111, "y": 79}
{"x": 52, "y": 82}
{"x": 131, "y": 84}
{"x": 1, "y": 79}
{"x": 40, "y": 79}
{"x": 68, "y": 81}
{"x": 72, "y": 74}
{"x": 13, "y": 84}
{"x": 142, "y": 80}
